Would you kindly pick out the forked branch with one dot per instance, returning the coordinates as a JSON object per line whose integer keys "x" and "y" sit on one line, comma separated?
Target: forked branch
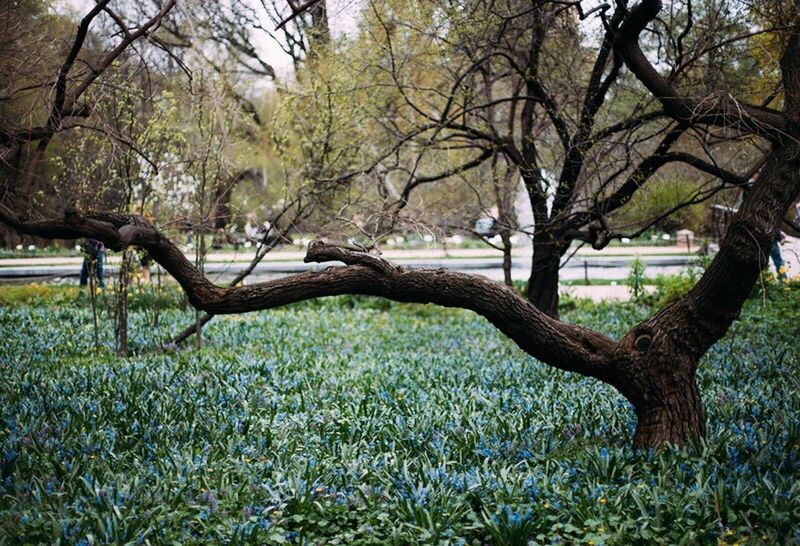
{"x": 721, "y": 110}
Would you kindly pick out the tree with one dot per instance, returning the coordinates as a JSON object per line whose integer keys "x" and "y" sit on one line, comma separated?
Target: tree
{"x": 654, "y": 364}
{"x": 225, "y": 37}
{"x": 524, "y": 83}
{"x": 24, "y": 139}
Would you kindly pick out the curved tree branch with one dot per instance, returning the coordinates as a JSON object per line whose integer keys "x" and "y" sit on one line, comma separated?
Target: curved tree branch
{"x": 565, "y": 346}
{"x": 721, "y": 110}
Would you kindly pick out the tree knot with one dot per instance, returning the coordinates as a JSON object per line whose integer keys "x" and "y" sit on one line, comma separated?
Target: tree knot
{"x": 643, "y": 342}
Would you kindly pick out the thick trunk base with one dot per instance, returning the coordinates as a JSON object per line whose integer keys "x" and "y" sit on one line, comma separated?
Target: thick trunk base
{"x": 674, "y": 417}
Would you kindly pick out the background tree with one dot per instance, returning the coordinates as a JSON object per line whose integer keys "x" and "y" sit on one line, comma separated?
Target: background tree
{"x": 532, "y": 84}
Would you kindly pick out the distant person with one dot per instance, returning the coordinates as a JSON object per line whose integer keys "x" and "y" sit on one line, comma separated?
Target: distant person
{"x": 94, "y": 254}
{"x": 775, "y": 254}
{"x": 189, "y": 233}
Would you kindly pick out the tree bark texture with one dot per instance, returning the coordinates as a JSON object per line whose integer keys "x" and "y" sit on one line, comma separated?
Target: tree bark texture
{"x": 543, "y": 281}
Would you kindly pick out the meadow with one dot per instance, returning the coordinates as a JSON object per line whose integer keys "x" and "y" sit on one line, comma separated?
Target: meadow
{"x": 350, "y": 421}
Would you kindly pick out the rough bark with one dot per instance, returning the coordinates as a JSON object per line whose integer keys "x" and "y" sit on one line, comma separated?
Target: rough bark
{"x": 660, "y": 356}
{"x": 505, "y": 237}
{"x": 658, "y": 359}
{"x": 543, "y": 282}
{"x": 568, "y": 347}
{"x": 121, "y": 318}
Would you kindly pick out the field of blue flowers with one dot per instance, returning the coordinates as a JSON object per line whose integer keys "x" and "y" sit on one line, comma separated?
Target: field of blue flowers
{"x": 330, "y": 423}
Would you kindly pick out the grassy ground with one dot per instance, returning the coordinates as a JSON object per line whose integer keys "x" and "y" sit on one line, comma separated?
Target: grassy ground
{"x": 354, "y": 421}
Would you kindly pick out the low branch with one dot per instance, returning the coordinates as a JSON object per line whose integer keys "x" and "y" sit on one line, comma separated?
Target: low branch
{"x": 267, "y": 244}
{"x": 564, "y": 346}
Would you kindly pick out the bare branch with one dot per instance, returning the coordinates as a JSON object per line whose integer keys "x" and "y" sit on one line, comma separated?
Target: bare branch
{"x": 720, "y": 110}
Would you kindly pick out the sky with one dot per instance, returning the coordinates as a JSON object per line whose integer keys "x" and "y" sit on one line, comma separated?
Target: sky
{"x": 342, "y": 16}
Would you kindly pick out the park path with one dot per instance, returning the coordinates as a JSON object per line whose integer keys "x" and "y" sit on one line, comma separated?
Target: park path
{"x": 283, "y": 255}
{"x": 598, "y": 293}
{"x": 610, "y": 264}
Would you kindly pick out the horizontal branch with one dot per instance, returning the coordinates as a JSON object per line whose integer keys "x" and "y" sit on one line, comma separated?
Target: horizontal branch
{"x": 564, "y": 346}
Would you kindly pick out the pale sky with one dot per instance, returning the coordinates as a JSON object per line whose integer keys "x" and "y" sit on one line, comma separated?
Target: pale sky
{"x": 342, "y": 16}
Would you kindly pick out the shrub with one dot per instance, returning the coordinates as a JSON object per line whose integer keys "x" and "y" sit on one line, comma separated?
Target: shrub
{"x": 658, "y": 196}
{"x": 636, "y": 279}
{"x": 37, "y": 294}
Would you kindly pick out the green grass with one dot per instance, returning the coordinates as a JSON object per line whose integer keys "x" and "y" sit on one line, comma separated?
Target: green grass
{"x": 352, "y": 421}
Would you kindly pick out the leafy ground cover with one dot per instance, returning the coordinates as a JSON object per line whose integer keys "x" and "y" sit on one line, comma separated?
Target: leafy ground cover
{"x": 343, "y": 422}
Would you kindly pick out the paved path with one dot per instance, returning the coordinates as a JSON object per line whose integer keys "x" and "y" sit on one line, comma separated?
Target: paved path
{"x": 614, "y": 267}
{"x": 791, "y": 254}
{"x": 611, "y": 264}
{"x": 287, "y": 254}
{"x": 599, "y": 293}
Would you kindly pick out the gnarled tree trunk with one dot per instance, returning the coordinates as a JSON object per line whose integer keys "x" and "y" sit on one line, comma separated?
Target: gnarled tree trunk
{"x": 653, "y": 366}
{"x": 658, "y": 379}
{"x": 673, "y": 414}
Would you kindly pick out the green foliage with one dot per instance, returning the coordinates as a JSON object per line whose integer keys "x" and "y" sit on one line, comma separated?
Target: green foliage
{"x": 330, "y": 425}
{"x": 37, "y": 294}
{"x": 141, "y": 297}
{"x": 768, "y": 290}
{"x": 36, "y": 252}
{"x": 671, "y": 287}
{"x": 780, "y": 294}
{"x": 659, "y": 196}
{"x": 636, "y": 279}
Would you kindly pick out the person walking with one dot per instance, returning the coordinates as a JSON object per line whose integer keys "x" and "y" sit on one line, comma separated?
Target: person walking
{"x": 94, "y": 253}
{"x": 775, "y": 254}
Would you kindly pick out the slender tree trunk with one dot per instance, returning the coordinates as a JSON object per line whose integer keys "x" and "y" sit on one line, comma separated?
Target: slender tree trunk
{"x": 543, "y": 282}
{"x": 121, "y": 329}
{"x": 93, "y": 297}
{"x": 200, "y": 258}
{"x": 507, "y": 247}
{"x": 157, "y": 310}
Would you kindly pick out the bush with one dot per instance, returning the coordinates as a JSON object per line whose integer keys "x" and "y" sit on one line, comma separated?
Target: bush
{"x": 636, "y": 280}
{"x": 658, "y": 196}
{"x": 777, "y": 293}
{"x": 671, "y": 287}
{"x": 140, "y": 297}
{"x": 37, "y": 294}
